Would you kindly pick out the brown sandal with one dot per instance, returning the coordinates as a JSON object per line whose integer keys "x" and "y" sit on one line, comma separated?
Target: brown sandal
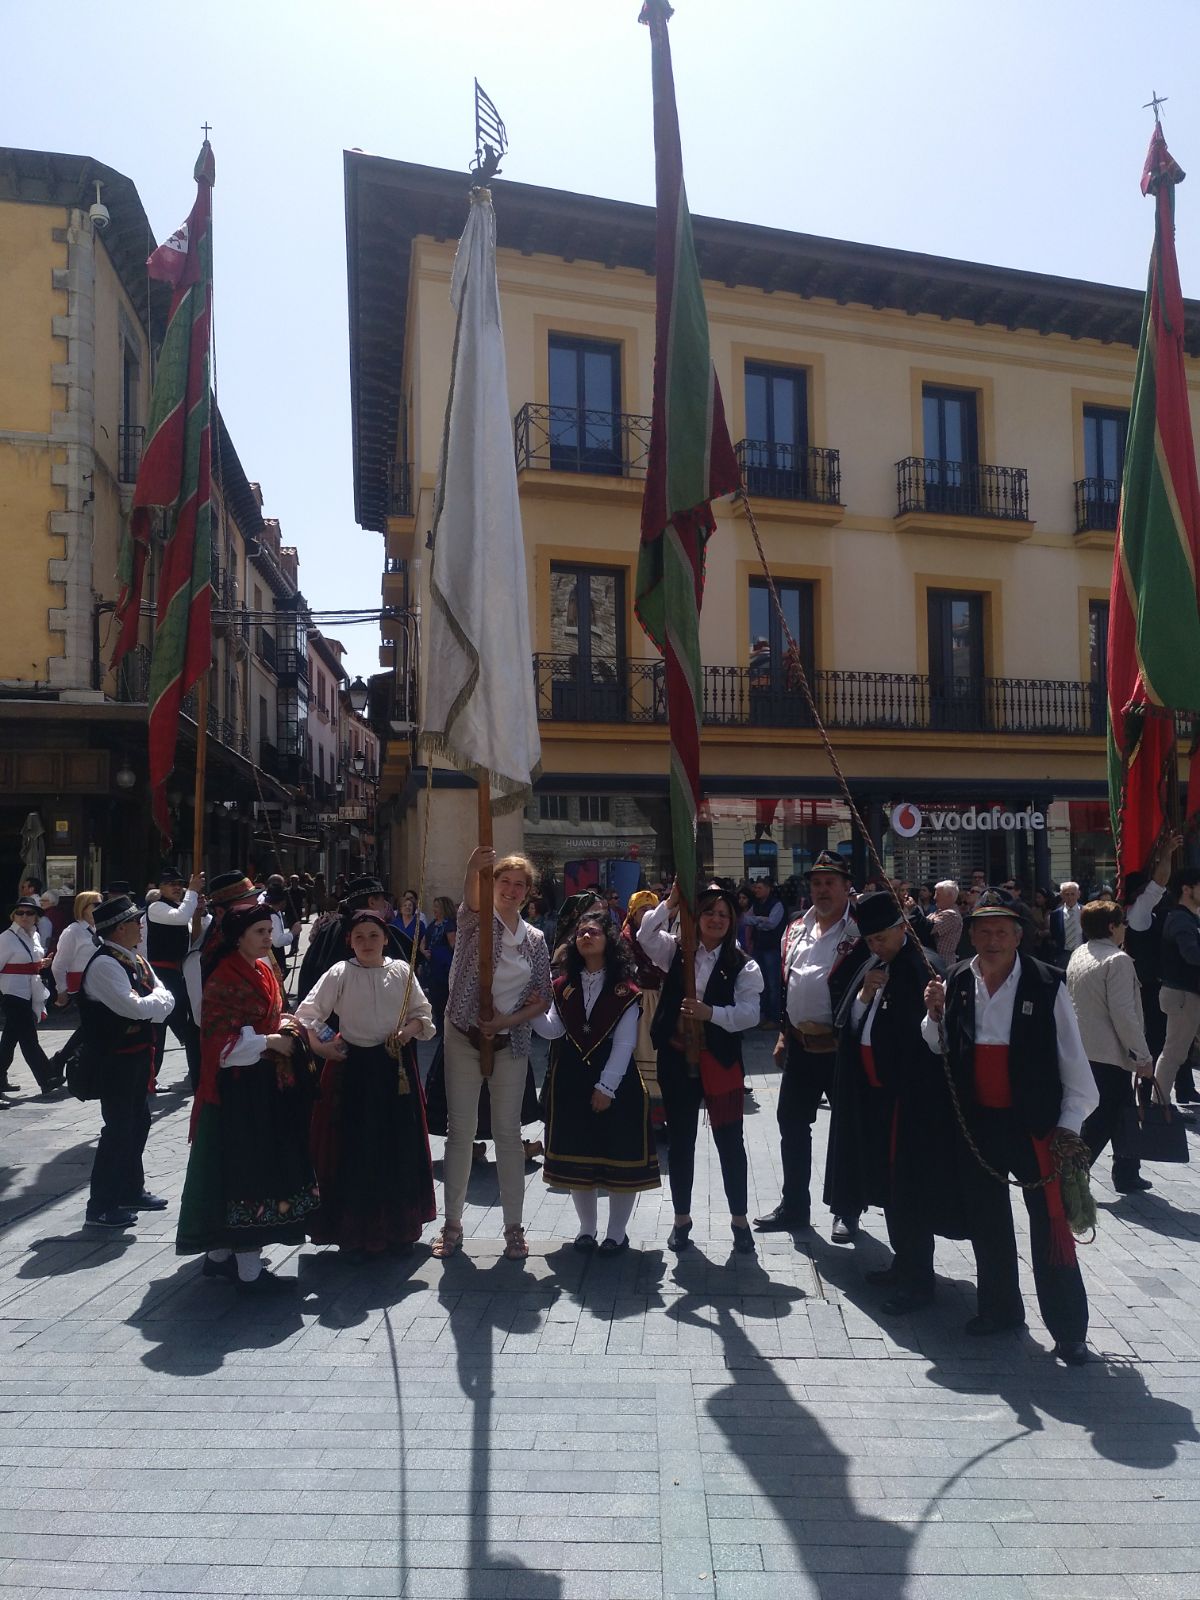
{"x": 515, "y": 1248}
{"x": 448, "y": 1242}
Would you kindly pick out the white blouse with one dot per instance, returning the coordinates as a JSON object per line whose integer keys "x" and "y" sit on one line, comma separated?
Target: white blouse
{"x": 368, "y": 1002}
{"x": 624, "y": 1035}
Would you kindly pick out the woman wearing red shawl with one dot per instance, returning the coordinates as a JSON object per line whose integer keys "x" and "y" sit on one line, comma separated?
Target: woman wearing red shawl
{"x": 250, "y": 1178}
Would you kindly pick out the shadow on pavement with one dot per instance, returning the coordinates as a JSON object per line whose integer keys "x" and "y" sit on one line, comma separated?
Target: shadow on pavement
{"x": 193, "y": 1323}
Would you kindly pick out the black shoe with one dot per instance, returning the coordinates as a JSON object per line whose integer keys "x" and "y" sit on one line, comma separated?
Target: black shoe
{"x": 844, "y": 1230}
{"x": 114, "y": 1217}
{"x": 884, "y": 1278}
{"x": 743, "y": 1240}
{"x": 781, "y": 1220}
{"x": 52, "y": 1087}
{"x": 1073, "y": 1353}
{"x": 266, "y": 1283}
{"x": 148, "y": 1202}
{"x": 585, "y": 1244}
{"x": 1132, "y": 1185}
{"x": 983, "y": 1326}
{"x": 226, "y": 1269}
{"x": 613, "y": 1247}
{"x": 906, "y": 1300}
{"x": 406, "y": 1247}
{"x": 680, "y": 1237}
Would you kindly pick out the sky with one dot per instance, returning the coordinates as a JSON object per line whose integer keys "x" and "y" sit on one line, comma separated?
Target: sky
{"x": 1001, "y": 131}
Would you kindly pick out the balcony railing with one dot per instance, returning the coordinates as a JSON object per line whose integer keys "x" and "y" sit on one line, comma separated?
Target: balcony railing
{"x": 291, "y": 667}
{"x": 616, "y": 691}
{"x": 786, "y": 472}
{"x": 266, "y": 647}
{"x": 614, "y": 444}
{"x": 400, "y": 490}
{"x": 962, "y": 489}
{"x": 133, "y": 677}
{"x": 129, "y": 451}
{"x": 1096, "y": 503}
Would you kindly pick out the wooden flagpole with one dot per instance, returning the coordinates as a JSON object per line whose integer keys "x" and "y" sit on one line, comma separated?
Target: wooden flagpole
{"x": 692, "y": 1030}
{"x": 201, "y": 766}
{"x": 486, "y": 1009}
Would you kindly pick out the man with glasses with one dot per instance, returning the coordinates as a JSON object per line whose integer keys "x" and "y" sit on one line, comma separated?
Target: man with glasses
{"x": 23, "y": 997}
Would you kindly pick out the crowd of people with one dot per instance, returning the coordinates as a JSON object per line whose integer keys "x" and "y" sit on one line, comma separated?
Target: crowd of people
{"x": 962, "y": 1036}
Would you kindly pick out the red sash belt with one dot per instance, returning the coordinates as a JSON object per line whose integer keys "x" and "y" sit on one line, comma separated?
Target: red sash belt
{"x": 167, "y": 966}
{"x": 992, "y": 1086}
{"x": 868, "y": 1061}
{"x": 21, "y": 969}
{"x": 74, "y": 982}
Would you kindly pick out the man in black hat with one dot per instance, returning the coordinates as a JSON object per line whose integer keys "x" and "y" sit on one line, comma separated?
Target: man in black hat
{"x": 892, "y": 1123}
{"x": 813, "y": 946}
{"x": 23, "y": 998}
{"x": 328, "y": 944}
{"x": 172, "y": 922}
{"x": 120, "y": 1003}
{"x": 1024, "y": 1084}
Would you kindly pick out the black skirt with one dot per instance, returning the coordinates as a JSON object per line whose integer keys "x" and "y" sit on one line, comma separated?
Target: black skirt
{"x": 588, "y": 1149}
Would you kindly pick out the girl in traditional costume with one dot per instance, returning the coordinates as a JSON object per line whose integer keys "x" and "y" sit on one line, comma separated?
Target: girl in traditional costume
{"x": 369, "y": 1141}
{"x": 597, "y": 1106}
{"x": 250, "y": 1178}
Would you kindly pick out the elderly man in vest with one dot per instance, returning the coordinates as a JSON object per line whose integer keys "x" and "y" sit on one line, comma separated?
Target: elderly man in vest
{"x": 171, "y": 922}
{"x": 1022, "y": 1079}
{"x": 120, "y": 1002}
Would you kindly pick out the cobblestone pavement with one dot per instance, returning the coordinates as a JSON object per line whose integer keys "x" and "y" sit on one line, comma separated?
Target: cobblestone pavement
{"x": 640, "y": 1429}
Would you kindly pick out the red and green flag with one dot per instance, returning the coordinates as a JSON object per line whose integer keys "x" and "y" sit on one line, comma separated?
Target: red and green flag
{"x": 1154, "y": 614}
{"x": 172, "y": 502}
{"x": 691, "y": 460}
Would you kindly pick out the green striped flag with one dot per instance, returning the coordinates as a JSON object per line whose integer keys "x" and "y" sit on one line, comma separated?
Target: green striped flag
{"x": 691, "y": 460}
{"x": 172, "y": 497}
{"x": 1154, "y": 615}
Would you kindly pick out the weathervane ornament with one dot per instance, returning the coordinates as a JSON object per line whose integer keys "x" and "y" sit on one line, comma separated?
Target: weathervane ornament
{"x": 1154, "y": 102}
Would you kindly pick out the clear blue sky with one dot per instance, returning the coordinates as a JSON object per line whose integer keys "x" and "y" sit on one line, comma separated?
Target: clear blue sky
{"x": 1009, "y": 132}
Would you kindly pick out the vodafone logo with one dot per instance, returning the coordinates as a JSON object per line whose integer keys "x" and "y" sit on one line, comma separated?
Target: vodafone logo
{"x": 906, "y": 820}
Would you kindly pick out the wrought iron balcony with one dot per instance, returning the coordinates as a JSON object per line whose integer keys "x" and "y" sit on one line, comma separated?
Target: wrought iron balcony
{"x": 130, "y": 439}
{"x": 1096, "y": 504}
{"x": 962, "y": 489}
{"x": 400, "y": 490}
{"x": 616, "y": 691}
{"x": 291, "y": 668}
{"x": 133, "y": 677}
{"x": 614, "y": 444}
{"x": 785, "y": 472}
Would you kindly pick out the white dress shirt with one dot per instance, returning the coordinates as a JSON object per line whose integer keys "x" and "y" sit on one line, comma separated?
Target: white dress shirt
{"x": 661, "y": 945}
{"x": 510, "y": 976}
{"x": 76, "y": 947}
{"x": 808, "y": 959}
{"x": 107, "y": 982}
{"x": 368, "y": 1002}
{"x": 993, "y": 1025}
{"x": 20, "y": 948}
{"x": 192, "y": 976}
{"x": 624, "y": 1035}
{"x": 281, "y": 936}
{"x": 1072, "y": 927}
{"x": 170, "y": 916}
{"x": 1139, "y": 917}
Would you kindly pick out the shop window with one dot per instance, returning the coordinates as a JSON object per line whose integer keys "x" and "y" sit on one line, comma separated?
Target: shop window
{"x": 553, "y": 808}
{"x": 587, "y": 637}
{"x": 585, "y": 404}
{"x": 951, "y": 428}
{"x": 956, "y": 686}
{"x": 594, "y": 808}
{"x": 776, "y": 698}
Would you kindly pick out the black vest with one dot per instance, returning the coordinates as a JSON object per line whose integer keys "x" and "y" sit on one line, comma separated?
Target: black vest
{"x": 718, "y": 991}
{"x": 1032, "y": 1046}
{"x": 165, "y": 942}
{"x": 104, "y": 1032}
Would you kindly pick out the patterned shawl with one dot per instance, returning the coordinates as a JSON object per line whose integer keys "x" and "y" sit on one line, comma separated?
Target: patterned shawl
{"x": 236, "y": 996}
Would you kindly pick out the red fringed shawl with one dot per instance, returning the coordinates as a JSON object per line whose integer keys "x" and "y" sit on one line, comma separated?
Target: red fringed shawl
{"x": 236, "y": 996}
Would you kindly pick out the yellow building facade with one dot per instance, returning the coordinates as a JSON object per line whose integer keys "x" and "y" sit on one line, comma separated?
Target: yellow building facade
{"x": 932, "y": 451}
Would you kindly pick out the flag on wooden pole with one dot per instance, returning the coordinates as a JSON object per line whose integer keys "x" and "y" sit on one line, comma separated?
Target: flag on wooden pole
{"x": 691, "y": 460}
{"x": 480, "y": 712}
{"x": 172, "y": 497}
{"x": 1154, "y": 621}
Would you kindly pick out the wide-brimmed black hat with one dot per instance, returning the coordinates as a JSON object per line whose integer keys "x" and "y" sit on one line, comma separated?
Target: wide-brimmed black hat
{"x": 994, "y": 903}
{"x": 118, "y": 886}
{"x": 110, "y": 914}
{"x": 827, "y": 861}
{"x": 171, "y": 875}
{"x": 25, "y": 903}
{"x": 876, "y": 912}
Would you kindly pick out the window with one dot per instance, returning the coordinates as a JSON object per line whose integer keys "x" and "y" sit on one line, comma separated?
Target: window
{"x": 956, "y": 687}
{"x": 776, "y": 698}
{"x": 585, "y": 402}
{"x": 950, "y": 422}
{"x": 130, "y": 372}
{"x": 264, "y": 729}
{"x": 587, "y": 635}
{"x": 775, "y": 451}
{"x": 553, "y": 808}
{"x": 594, "y": 808}
{"x": 1099, "y": 495}
{"x": 1098, "y": 659}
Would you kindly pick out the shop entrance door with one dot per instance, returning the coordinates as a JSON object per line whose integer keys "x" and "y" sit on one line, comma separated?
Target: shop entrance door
{"x": 931, "y": 857}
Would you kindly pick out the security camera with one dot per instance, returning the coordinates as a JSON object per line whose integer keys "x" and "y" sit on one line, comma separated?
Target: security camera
{"x": 98, "y": 215}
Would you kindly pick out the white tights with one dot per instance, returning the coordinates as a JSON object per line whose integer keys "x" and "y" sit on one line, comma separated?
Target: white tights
{"x": 620, "y": 1209}
{"x": 249, "y": 1262}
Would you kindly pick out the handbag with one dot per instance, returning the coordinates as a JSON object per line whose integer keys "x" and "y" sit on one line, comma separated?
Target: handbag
{"x": 85, "y": 1075}
{"x": 1151, "y": 1133}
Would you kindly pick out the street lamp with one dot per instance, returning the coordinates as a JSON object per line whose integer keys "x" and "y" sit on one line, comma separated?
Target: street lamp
{"x": 359, "y": 762}
{"x": 359, "y": 696}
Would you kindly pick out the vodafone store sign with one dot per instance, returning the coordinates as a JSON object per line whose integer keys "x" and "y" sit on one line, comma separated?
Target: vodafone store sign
{"x": 907, "y": 820}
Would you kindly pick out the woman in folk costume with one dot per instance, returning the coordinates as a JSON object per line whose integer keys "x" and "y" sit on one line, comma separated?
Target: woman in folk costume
{"x": 597, "y": 1107}
{"x": 649, "y": 980}
{"x": 369, "y": 1142}
{"x": 250, "y": 1178}
{"x": 728, "y": 986}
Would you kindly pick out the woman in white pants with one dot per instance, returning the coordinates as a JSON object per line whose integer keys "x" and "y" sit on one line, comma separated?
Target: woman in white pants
{"x": 521, "y": 990}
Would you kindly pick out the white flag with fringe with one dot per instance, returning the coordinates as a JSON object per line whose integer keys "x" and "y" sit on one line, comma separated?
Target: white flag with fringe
{"x": 480, "y": 709}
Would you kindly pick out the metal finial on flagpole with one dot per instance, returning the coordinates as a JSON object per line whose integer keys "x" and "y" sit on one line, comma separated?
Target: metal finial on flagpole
{"x": 207, "y": 129}
{"x": 491, "y": 140}
{"x": 1154, "y": 102}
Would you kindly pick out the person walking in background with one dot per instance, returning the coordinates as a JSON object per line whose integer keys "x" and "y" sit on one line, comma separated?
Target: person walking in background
{"x": 945, "y": 920}
{"x": 766, "y": 922}
{"x": 76, "y": 946}
{"x": 168, "y": 934}
{"x": 1066, "y": 931}
{"x": 438, "y": 951}
{"x": 1146, "y": 904}
{"x": 1179, "y": 972}
{"x": 1102, "y": 983}
{"x": 411, "y": 926}
{"x": 23, "y": 999}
